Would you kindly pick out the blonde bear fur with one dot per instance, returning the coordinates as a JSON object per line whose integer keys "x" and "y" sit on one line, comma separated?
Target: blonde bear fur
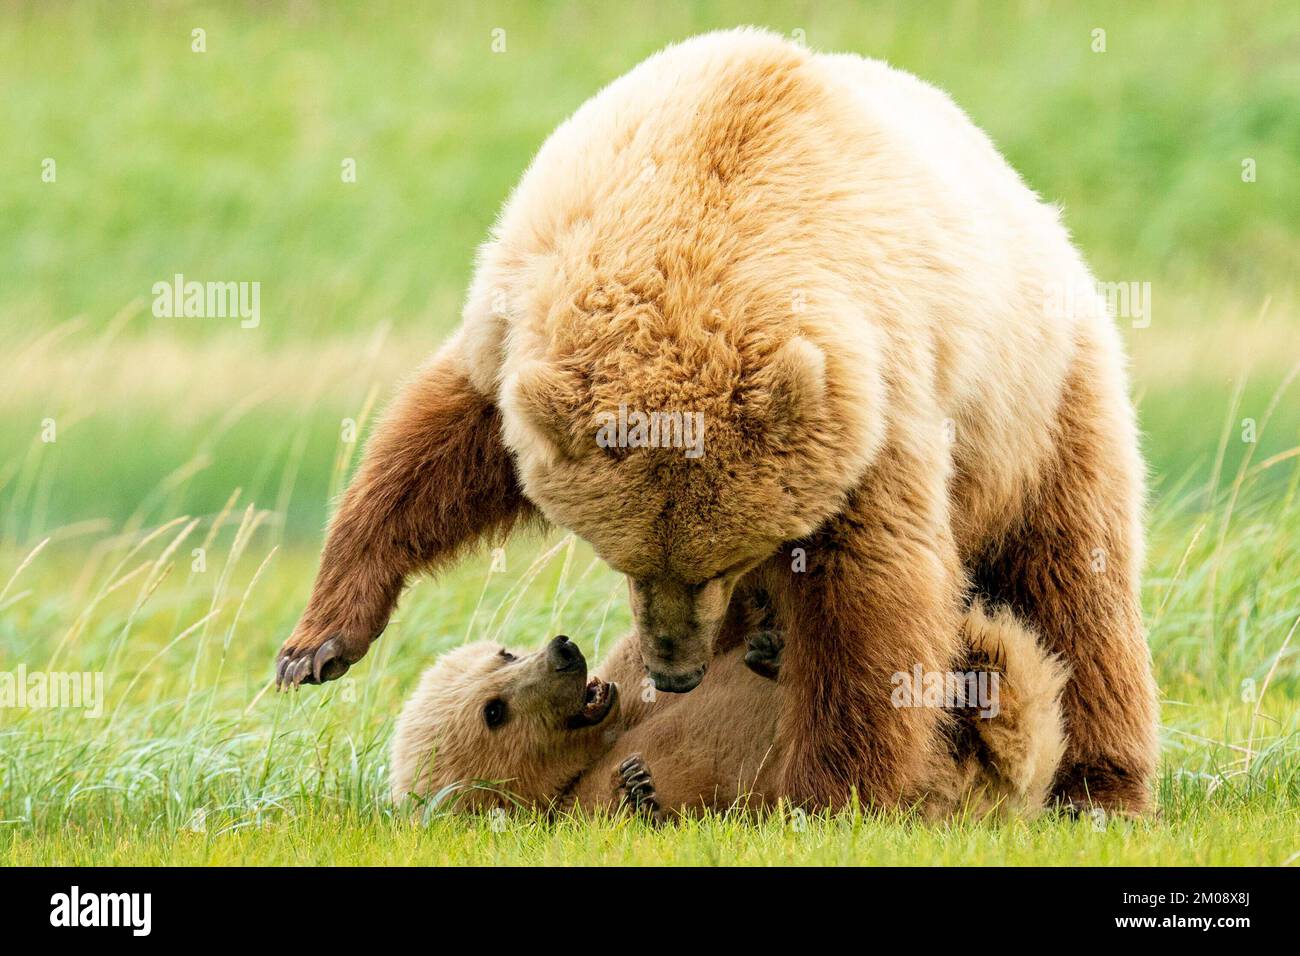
{"x": 713, "y": 749}
{"x": 912, "y": 395}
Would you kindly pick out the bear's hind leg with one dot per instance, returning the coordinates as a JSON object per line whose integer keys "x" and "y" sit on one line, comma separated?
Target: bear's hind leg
{"x": 1070, "y": 568}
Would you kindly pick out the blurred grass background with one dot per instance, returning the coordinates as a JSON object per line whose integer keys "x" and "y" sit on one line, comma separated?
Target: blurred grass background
{"x": 225, "y": 166}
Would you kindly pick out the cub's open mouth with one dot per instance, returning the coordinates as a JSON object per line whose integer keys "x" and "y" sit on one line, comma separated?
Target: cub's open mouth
{"x": 597, "y": 701}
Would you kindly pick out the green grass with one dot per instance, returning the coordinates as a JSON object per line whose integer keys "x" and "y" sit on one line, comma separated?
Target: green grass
{"x": 225, "y": 165}
{"x": 1204, "y": 833}
{"x": 195, "y": 761}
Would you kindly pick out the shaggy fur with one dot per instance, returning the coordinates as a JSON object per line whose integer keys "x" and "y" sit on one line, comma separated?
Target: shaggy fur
{"x": 1007, "y": 761}
{"x": 713, "y": 749}
{"x": 435, "y": 478}
{"x": 826, "y": 259}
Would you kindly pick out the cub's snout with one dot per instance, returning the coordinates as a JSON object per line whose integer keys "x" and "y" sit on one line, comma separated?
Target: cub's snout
{"x": 526, "y": 721}
{"x": 564, "y": 655}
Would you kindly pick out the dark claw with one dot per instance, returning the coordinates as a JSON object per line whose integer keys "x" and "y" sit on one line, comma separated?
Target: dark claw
{"x": 304, "y": 666}
{"x": 325, "y": 655}
{"x": 301, "y": 668}
{"x": 638, "y": 787}
{"x": 763, "y": 655}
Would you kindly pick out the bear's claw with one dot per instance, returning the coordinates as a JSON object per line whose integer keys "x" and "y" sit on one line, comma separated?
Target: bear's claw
{"x": 637, "y": 789}
{"x": 308, "y": 665}
{"x": 763, "y": 655}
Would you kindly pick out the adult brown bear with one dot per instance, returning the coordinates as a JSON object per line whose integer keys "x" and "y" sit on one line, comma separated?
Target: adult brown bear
{"x": 910, "y": 391}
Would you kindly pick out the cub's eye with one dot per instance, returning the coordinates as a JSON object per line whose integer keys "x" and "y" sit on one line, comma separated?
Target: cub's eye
{"x": 509, "y": 658}
{"x": 494, "y": 713}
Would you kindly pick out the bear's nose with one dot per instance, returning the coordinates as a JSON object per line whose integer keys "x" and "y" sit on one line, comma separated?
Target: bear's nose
{"x": 678, "y": 683}
{"x": 563, "y": 654}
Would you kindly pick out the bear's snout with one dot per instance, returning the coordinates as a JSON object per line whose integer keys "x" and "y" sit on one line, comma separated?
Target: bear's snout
{"x": 678, "y": 683}
{"x": 564, "y": 655}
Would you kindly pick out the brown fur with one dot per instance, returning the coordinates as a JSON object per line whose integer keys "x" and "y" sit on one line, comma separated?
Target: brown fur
{"x": 883, "y": 576}
{"x": 830, "y": 263}
{"x": 1009, "y": 760}
{"x": 435, "y": 479}
{"x": 715, "y": 748}
{"x": 1070, "y": 566}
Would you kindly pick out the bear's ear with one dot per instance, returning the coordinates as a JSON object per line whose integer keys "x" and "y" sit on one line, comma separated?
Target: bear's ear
{"x": 534, "y": 405}
{"x": 795, "y": 382}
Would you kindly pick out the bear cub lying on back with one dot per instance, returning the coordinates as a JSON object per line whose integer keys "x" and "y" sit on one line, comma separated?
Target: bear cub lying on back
{"x": 502, "y": 729}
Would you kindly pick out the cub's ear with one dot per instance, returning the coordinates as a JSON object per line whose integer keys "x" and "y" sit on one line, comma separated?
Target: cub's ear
{"x": 795, "y": 385}
{"x": 535, "y": 404}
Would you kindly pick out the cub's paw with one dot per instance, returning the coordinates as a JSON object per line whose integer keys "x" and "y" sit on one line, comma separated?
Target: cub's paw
{"x": 314, "y": 657}
{"x": 636, "y": 788}
{"x": 763, "y": 656}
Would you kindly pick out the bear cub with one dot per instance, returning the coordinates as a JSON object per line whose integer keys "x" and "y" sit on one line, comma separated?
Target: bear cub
{"x": 492, "y": 727}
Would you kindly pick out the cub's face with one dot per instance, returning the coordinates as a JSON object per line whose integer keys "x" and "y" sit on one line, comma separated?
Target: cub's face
{"x": 527, "y": 724}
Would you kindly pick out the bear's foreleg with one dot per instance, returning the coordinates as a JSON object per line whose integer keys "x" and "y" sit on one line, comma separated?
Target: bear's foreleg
{"x": 880, "y": 596}
{"x": 436, "y": 477}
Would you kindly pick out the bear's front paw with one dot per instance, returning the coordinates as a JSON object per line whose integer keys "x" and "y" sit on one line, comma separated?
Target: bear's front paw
{"x": 763, "y": 656}
{"x": 636, "y": 788}
{"x": 313, "y": 657}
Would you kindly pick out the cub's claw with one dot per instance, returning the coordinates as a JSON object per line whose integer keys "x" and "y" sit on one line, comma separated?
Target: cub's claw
{"x": 763, "y": 656}
{"x": 637, "y": 789}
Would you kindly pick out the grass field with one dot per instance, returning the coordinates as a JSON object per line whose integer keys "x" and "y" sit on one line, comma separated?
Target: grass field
{"x": 163, "y": 482}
